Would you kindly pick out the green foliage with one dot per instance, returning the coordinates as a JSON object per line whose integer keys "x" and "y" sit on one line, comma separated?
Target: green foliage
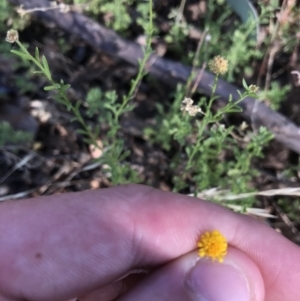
{"x": 242, "y": 50}
{"x": 121, "y": 18}
{"x": 291, "y": 207}
{"x": 236, "y": 43}
{"x": 204, "y": 153}
{"x": 170, "y": 124}
{"x": 205, "y": 142}
{"x": 8, "y": 15}
{"x": 4, "y": 11}
{"x": 114, "y": 156}
{"x": 178, "y": 29}
{"x": 143, "y": 16}
{"x": 8, "y": 135}
{"x": 268, "y": 11}
{"x": 117, "y": 13}
{"x": 275, "y": 95}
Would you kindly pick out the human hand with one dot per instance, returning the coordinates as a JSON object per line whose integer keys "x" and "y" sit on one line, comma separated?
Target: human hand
{"x": 79, "y": 244}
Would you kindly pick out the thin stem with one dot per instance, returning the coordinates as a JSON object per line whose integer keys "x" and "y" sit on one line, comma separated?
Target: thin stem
{"x": 204, "y": 123}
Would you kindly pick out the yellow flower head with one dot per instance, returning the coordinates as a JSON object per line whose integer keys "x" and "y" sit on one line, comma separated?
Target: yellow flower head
{"x": 213, "y": 244}
{"x": 218, "y": 65}
{"x": 12, "y": 36}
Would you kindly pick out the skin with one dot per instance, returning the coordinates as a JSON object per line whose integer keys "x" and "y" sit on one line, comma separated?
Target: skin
{"x": 80, "y": 244}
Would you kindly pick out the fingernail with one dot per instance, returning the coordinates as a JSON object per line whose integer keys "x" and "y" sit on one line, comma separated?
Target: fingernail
{"x": 214, "y": 281}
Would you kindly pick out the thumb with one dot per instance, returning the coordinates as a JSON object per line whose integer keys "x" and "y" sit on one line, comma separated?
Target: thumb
{"x": 193, "y": 279}
{"x": 236, "y": 279}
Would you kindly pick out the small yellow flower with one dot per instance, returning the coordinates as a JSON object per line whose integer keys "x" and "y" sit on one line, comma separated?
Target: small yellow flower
{"x": 12, "y": 36}
{"x": 214, "y": 245}
{"x": 218, "y": 65}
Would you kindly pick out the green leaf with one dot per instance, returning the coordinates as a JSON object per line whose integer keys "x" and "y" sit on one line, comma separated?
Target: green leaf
{"x": 246, "y": 10}
{"x": 124, "y": 155}
{"x": 45, "y": 63}
{"x": 82, "y": 132}
{"x": 37, "y": 53}
{"x": 49, "y": 88}
{"x": 245, "y": 84}
{"x": 77, "y": 105}
{"x": 46, "y": 66}
{"x": 73, "y": 119}
{"x": 66, "y": 87}
{"x": 21, "y": 54}
{"x": 68, "y": 106}
{"x": 128, "y": 108}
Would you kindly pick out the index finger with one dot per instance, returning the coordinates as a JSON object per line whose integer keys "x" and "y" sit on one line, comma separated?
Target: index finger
{"x": 61, "y": 246}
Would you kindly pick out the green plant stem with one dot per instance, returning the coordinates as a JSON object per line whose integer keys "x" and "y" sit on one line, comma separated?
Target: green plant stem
{"x": 142, "y": 65}
{"x": 134, "y": 84}
{"x": 204, "y": 123}
{"x": 62, "y": 95}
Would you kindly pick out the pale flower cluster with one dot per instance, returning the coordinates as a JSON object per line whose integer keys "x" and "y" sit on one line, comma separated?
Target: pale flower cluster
{"x": 218, "y": 65}
{"x": 12, "y": 36}
{"x": 253, "y": 88}
{"x": 187, "y": 106}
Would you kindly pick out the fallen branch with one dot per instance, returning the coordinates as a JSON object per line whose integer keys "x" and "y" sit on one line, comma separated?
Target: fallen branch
{"x": 165, "y": 70}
